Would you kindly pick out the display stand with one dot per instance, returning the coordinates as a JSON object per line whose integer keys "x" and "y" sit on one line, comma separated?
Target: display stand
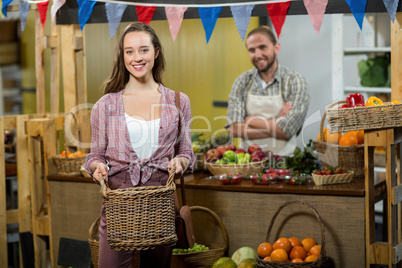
{"x": 377, "y": 252}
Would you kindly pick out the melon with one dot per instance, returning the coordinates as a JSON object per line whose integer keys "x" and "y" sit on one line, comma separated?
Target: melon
{"x": 244, "y": 253}
{"x": 224, "y": 262}
{"x": 248, "y": 263}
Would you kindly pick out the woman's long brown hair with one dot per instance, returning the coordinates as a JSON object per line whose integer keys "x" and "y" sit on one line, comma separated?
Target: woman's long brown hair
{"x": 120, "y": 76}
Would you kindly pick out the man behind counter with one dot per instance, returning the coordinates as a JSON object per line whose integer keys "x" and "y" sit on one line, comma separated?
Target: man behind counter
{"x": 268, "y": 103}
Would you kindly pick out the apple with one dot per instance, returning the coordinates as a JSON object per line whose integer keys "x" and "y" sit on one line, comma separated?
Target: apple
{"x": 221, "y": 149}
{"x": 253, "y": 148}
{"x": 240, "y": 151}
{"x": 230, "y": 156}
{"x": 257, "y": 156}
{"x": 230, "y": 147}
{"x": 212, "y": 155}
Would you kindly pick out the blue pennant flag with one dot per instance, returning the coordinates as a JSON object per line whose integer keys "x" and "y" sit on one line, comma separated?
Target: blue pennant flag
{"x": 4, "y": 6}
{"x": 85, "y": 8}
{"x": 358, "y": 8}
{"x": 114, "y": 12}
{"x": 391, "y": 6}
{"x": 242, "y": 15}
{"x": 208, "y": 16}
{"x": 24, "y": 8}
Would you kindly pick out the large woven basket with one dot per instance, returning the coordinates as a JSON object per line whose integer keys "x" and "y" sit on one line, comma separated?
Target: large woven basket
{"x": 68, "y": 166}
{"x": 333, "y": 155}
{"x": 245, "y": 169}
{"x": 94, "y": 246}
{"x": 203, "y": 258}
{"x": 322, "y": 260}
{"x": 140, "y": 218}
{"x": 365, "y": 117}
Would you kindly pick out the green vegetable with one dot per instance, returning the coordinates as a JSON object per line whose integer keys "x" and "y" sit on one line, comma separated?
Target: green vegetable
{"x": 374, "y": 72}
{"x": 303, "y": 161}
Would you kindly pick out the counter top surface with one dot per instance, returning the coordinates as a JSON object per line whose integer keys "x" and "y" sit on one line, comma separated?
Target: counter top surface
{"x": 205, "y": 180}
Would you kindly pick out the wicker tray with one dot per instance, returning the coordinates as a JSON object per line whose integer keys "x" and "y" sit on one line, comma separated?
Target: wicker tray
{"x": 244, "y": 169}
{"x": 333, "y": 179}
{"x": 322, "y": 260}
{"x": 387, "y": 115}
{"x": 68, "y": 166}
{"x": 333, "y": 155}
{"x": 203, "y": 258}
{"x": 94, "y": 246}
{"x": 140, "y": 218}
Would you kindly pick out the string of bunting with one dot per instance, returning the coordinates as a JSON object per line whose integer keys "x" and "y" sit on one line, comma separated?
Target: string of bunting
{"x": 209, "y": 13}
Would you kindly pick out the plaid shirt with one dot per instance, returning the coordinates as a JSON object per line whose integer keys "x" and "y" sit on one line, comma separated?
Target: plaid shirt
{"x": 291, "y": 85}
{"x": 111, "y": 142}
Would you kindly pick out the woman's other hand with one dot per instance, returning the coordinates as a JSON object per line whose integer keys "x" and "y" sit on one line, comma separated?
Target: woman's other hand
{"x": 180, "y": 163}
{"x": 101, "y": 168}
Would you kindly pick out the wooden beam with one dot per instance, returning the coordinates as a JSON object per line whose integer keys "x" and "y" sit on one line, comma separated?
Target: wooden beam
{"x": 396, "y": 58}
{"x": 55, "y": 68}
{"x": 39, "y": 64}
{"x": 3, "y": 206}
{"x": 12, "y": 216}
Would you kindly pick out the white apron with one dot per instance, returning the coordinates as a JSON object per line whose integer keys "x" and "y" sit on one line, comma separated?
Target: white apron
{"x": 268, "y": 107}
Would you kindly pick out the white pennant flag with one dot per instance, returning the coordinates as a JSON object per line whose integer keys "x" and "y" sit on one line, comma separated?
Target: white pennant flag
{"x": 57, "y": 4}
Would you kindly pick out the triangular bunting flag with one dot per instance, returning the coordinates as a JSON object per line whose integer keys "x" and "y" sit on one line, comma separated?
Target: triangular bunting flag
{"x": 57, "y": 4}
{"x": 114, "y": 12}
{"x": 391, "y": 6}
{"x": 1, "y": 12}
{"x": 241, "y": 16}
{"x": 42, "y": 8}
{"x": 277, "y": 12}
{"x": 24, "y": 8}
{"x": 208, "y": 16}
{"x": 85, "y": 8}
{"x": 358, "y": 8}
{"x": 316, "y": 11}
{"x": 174, "y": 16}
{"x": 4, "y": 5}
{"x": 145, "y": 14}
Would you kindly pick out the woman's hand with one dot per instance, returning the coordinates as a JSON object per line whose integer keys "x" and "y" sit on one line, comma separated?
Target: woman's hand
{"x": 180, "y": 163}
{"x": 101, "y": 168}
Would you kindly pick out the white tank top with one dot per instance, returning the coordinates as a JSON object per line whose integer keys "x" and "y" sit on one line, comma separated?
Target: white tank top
{"x": 144, "y": 135}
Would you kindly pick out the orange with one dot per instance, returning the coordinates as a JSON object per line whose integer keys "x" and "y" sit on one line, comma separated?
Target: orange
{"x": 359, "y": 135}
{"x": 348, "y": 139}
{"x": 315, "y": 250}
{"x": 264, "y": 249}
{"x": 308, "y": 243}
{"x": 324, "y": 131}
{"x": 279, "y": 255}
{"x": 311, "y": 258}
{"x": 63, "y": 154}
{"x": 267, "y": 258}
{"x": 297, "y": 260}
{"x": 294, "y": 241}
{"x": 298, "y": 252}
{"x": 283, "y": 243}
{"x": 333, "y": 138}
{"x": 78, "y": 153}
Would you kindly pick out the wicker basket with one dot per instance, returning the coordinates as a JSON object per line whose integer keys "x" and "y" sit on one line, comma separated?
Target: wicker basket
{"x": 203, "y": 258}
{"x": 244, "y": 169}
{"x": 68, "y": 166}
{"x": 333, "y": 155}
{"x": 140, "y": 218}
{"x": 333, "y": 179}
{"x": 387, "y": 115}
{"x": 94, "y": 246}
{"x": 322, "y": 260}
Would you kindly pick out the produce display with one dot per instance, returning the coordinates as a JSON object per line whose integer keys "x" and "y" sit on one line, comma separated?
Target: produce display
{"x": 72, "y": 155}
{"x": 290, "y": 250}
{"x": 229, "y": 154}
{"x": 230, "y": 178}
{"x": 196, "y": 248}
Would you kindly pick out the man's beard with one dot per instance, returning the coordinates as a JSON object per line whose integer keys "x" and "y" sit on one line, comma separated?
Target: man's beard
{"x": 269, "y": 65}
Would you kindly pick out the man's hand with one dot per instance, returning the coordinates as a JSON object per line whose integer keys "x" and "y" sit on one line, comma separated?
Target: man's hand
{"x": 285, "y": 109}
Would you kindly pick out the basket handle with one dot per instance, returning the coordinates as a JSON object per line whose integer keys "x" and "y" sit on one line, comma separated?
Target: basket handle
{"x": 91, "y": 229}
{"x": 325, "y": 115}
{"x": 104, "y": 187}
{"x": 218, "y": 221}
{"x": 316, "y": 215}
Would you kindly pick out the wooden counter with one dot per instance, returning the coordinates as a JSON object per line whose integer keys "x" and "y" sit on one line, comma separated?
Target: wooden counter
{"x": 246, "y": 211}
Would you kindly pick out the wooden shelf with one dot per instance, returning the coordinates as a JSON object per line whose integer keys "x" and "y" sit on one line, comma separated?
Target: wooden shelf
{"x": 367, "y": 89}
{"x": 365, "y": 50}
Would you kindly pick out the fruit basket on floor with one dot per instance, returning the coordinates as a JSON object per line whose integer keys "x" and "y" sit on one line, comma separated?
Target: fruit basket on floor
{"x": 321, "y": 261}
{"x": 246, "y": 169}
{"x": 332, "y": 155}
{"x": 208, "y": 257}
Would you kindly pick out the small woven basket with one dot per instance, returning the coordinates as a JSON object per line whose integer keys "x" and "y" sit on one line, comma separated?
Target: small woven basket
{"x": 68, "y": 166}
{"x": 333, "y": 179}
{"x": 333, "y": 155}
{"x": 322, "y": 260}
{"x": 140, "y": 218}
{"x": 203, "y": 258}
{"x": 94, "y": 246}
{"x": 244, "y": 169}
{"x": 387, "y": 115}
